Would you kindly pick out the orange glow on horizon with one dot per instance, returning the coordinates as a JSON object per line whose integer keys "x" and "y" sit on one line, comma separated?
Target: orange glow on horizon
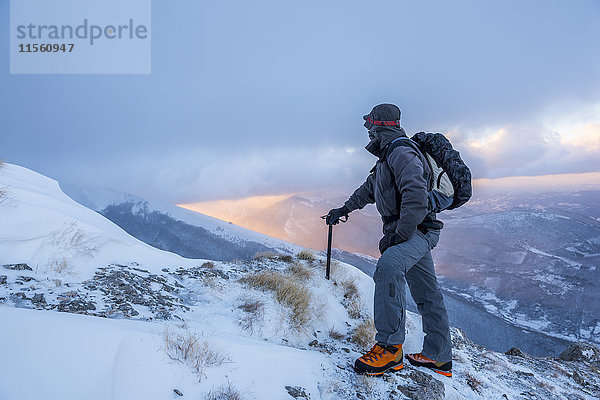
{"x": 238, "y": 210}
{"x": 247, "y": 212}
{"x": 557, "y": 181}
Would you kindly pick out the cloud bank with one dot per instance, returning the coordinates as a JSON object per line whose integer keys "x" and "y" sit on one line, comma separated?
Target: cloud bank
{"x": 254, "y": 98}
{"x": 526, "y": 151}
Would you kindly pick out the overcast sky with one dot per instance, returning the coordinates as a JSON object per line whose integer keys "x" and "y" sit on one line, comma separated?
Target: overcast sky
{"x": 265, "y": 97}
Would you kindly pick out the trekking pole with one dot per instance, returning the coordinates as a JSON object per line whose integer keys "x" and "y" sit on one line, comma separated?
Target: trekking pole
{"x": 328, "y": 269}
{"x": 329, "y": 237}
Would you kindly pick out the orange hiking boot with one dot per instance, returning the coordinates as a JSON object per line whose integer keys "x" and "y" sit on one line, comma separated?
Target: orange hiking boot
{"x": 419, "y": 360}
{"x": 380, "y": 359}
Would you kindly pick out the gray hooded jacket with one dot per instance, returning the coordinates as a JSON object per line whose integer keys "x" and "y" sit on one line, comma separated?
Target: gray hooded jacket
{"x": 411, "y": 172}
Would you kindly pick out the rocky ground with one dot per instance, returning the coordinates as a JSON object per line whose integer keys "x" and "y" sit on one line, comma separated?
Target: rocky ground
{"x": 132, "y": 292}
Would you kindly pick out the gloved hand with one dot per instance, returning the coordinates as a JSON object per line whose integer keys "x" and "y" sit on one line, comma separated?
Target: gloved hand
{"x": 388, "y": 240}
{"x": 334, "y": 215}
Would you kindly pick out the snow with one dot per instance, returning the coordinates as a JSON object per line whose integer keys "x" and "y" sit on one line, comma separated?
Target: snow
{"x": 100, "y": 198}
{"x": 121, "y": 357}
{"x": 52, "y": 355}
{"x": 75, "y": 356}
{"x": 505, "y": 310}
{"x": 44, "y": 228}
{"x": 588, "y": 353}
{"x": 557, "y": 282}
{"x": 124, "y": 360}
{"x": 543, "y": 253}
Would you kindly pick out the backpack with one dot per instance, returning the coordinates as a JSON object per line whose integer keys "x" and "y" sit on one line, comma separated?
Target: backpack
{"x": 450, "y": 181}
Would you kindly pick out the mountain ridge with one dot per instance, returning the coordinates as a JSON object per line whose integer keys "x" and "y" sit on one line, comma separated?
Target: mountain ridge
{"x": 139, "y": 291}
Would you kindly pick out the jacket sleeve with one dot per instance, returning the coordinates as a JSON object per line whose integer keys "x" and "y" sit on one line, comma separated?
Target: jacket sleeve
{"x": 407, "y": 167}
{"x": 363, "y": 195}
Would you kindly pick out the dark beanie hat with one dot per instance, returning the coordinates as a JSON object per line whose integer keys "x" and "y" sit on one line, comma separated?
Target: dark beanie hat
{"x": 383, "y": 115}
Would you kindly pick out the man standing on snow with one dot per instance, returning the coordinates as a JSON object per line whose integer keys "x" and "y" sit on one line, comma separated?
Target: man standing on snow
{"x": 398, "y": 185}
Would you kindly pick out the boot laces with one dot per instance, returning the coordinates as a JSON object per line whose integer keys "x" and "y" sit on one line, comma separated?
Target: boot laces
{"x": 376, "y": 351}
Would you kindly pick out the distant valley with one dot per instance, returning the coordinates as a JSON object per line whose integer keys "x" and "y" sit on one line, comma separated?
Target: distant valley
{"x": 530, "y": 256}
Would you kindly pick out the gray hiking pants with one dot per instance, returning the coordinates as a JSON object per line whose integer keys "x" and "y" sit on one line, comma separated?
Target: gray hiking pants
{"x": 411, "y": 262}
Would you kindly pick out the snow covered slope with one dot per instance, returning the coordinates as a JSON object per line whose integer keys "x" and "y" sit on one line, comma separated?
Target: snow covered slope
{"x": 139, "y": 323}
{"x": 530, "y": 257}
{"x": 51, "y": 233}
{"x": 176, "y": 229}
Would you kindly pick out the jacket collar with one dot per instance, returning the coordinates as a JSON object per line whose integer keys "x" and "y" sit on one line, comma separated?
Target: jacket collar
{"x": 385, "y": 136}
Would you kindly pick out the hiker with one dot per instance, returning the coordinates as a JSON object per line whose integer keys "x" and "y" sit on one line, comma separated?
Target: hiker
{"x": 399, "y": 186}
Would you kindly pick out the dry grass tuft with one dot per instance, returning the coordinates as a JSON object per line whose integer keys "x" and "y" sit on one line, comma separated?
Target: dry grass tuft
{"x": 354, "y": 309}
{"x": 351, "y": 301}
{"x": 288, "y": 291}
{"x": 224, "y": 392}
{"x": 269, "y": 255}
{"x": 491, "y": 362}
{"x": 364, "y": 334}
{"x": 334, "y": 268}
{"x": 251, "y": 306}
{"x": 265, "y": 280}
{"x": 473, "y": 383}
{"x": 183, "y": 325}
{"x": 3, "y": 191}
{"x": 60, "y": 265}
{"x": 71, "y": 242}
{"x": 547, "y": 386}
{"x": 199, "y": 353}
{"x": 286, "y": 258}
{"x": 306, "y": 255}
{"x": 367, "y": 384}
{"x": 300, "y": 271}
{"x": 337, "y": 335}
{"x": 211, "y": 282}
{"x": 255, "y": 311}
{"x": 350, "y": 288}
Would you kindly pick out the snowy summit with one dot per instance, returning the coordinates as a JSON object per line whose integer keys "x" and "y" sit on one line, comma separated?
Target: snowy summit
{"x": 89, "y": 312}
